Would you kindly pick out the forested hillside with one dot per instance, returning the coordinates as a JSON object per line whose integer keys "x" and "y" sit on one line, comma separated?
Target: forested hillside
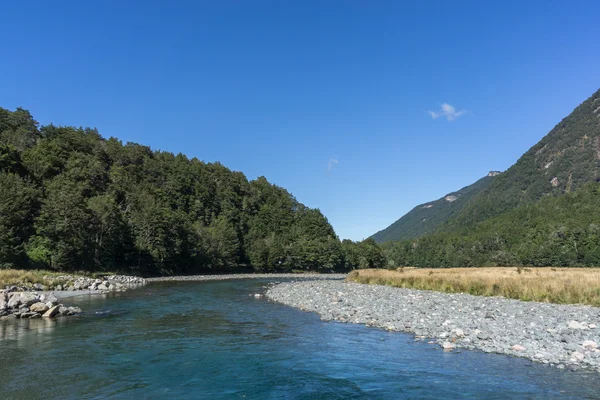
{"x": 565, "y": 159}
{"x": 426, "y": 218}
{"x": 557, "y": 231}
{"x": 72, "y": 200}
{"x": 544, "y": 210}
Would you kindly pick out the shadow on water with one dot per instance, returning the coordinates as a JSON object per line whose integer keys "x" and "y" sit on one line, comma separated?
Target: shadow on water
{"x": 192, "y": 340}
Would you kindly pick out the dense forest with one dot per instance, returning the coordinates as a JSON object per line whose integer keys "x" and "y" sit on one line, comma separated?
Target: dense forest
{"x": 557, "y": 231}
{"x": 542, "y": 211}
{"x": 72, "y": 200}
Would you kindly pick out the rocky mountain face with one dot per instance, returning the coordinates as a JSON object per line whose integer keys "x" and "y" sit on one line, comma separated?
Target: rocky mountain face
{"x": 564, "y": 160}
{"x": 543, "y": 211}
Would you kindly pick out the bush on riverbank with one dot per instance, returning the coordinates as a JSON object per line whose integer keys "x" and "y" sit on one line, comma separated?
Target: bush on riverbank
{"x": 554, "y": 285}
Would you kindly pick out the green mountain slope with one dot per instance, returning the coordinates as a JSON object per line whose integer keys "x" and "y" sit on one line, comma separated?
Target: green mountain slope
{"x": 426, "y": 218}
{"x": 565, "y": 159}
{"x": 556, "y": 231}
{"x": 544, "y": 210}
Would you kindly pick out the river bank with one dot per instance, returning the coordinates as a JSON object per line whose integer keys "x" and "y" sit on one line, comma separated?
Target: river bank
{"x": 565, "y": 336}
{"x": 184, "y": 278}
{"x": 28, "y": 300}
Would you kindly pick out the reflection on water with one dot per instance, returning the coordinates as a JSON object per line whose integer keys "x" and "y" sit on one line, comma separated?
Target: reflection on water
{"x": 211, "y": 340}
{"x": 29, "y": 329}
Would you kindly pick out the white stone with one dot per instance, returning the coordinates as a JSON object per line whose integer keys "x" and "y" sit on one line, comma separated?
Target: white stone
{"x": 448, "y": 346}
{"x": 577, "y": 356}
{"x": 518, "y": 347}
{"x": 577, "y": 325}
{"x": 589, "y": 345}
{"x": 459, "y": 332}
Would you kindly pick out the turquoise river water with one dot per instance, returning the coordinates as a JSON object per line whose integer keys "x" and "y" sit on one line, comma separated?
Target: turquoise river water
{"x": 211, "y": 340}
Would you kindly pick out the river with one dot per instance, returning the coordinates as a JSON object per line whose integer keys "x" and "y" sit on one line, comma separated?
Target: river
{"x": 213, "y": 340}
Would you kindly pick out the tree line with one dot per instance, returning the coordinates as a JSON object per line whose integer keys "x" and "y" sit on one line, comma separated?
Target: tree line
{"x": 73, "y": 200}
{"x": 556, "y": 231}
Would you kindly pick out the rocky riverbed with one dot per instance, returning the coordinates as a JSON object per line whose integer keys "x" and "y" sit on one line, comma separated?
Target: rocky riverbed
{"x": 75, "y": 283}
{"x": 34, "y": 300}
{"x": 565, "y": 336}
{"x": 32, "y": 305}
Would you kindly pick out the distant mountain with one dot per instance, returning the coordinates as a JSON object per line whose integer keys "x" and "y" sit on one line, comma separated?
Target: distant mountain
{"x": 565, "y": 159}
{"x": 541, "y": 211}
{"x": 426, "y": 218}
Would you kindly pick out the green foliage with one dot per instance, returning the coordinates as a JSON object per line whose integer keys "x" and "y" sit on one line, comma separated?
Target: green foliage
{"x": 556, "y": 231}
{"x": 427, "y": 218}
{"x": 542, "y": 211}
{"x": 564, "y": 160}
{"x": 365, "y": 254}
{"x": 18, "y": 205}
{"x": 72, "y": 200}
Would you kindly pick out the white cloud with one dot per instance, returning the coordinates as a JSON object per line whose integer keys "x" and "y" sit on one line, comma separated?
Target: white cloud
{"x": 447, "y": 111}
{"x": 333, "y": 161}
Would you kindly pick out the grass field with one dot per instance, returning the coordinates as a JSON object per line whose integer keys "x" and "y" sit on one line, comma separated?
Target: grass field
{"x": 9, "y": 277}
{"x": 554, "y": 285}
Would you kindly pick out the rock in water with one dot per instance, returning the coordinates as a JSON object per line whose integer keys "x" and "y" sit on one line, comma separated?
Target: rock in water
{"x": 51, "y": 312}
{"x": 448, "y": 346}
{"x": 39, "y": 307}
{"x": 2, "y": 301}
{"x": 74, "y": 310}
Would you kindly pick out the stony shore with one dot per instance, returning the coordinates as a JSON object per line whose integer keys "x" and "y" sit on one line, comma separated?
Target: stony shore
{"x": 565, "y": 336}
{"x": 243, "y": 276}
{"x": 75, "y": 283}
{"x": 32, "y": 305}
{"x": 35, "y": 301}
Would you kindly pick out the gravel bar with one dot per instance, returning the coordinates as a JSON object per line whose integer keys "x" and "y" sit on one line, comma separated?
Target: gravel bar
{"x": 243, "y": 276}
{"x": 565, "y": 336}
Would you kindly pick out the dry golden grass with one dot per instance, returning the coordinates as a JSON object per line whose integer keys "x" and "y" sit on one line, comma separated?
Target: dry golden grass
{"x": 554, "y": 285}
{"x": 19, "y": 277}
{"x": 9, "y": 277}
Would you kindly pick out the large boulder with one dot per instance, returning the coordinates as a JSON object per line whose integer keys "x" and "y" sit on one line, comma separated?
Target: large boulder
{"x": 14, "y": 300}
{"x": 50, "y": 299}
{"x": 24, "y": 299}
{"x": 39, "y": 307}
{"x": 51, "y": 312}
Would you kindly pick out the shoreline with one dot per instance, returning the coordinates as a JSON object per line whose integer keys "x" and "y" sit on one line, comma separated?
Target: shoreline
{"x": 193, "y": 278}
{"x": 563, "y": 336}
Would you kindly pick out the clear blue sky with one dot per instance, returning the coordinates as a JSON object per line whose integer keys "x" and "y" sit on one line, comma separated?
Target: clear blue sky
{"x": 329, "y": 99}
